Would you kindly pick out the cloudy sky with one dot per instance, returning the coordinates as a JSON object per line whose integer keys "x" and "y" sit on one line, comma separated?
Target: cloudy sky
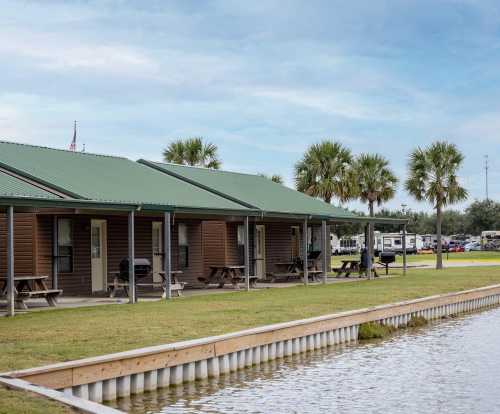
{"x": 261, "y": 79}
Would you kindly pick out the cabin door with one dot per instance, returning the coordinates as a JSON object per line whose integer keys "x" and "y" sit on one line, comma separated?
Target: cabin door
{"x": 98, "y": 246}
{"x": 157, "y": 250}
{"x": 260, "y": 251}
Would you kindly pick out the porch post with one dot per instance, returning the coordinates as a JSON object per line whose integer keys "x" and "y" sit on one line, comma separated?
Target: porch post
{"x": 324, "y": 252}
{"x": 368, "y": 246}
{"x": 247, "y": 252}
{"x": 404, "y": 249}
{"x": 167, "y": 258}
{"x": 304, "y": 247}
{"x": 10, "y": 261}
{"x": 55, "y": 254}
{"x": 131, "y": 257}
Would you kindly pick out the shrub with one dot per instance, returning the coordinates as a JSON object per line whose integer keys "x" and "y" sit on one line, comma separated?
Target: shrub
{"x": 373, "y": 330}
{"x": 417, "y": 321}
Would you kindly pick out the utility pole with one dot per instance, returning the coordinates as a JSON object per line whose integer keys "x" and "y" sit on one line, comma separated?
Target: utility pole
{"x": 486, "y": 175}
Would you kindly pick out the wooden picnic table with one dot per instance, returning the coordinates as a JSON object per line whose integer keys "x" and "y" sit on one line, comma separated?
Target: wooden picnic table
{"x": 351, "y": 266}
{"x": 292, "y": 270}
{"x": 176, "y": 287}
{"x": 223, "y": 274}
{"x": 31, "y": 286}
{"x": 348, "y": 267}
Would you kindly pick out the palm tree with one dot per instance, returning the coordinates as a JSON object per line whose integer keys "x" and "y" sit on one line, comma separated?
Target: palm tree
{"x": 274, "y": 178}
{"x": 322, "y": 171}
{"x": 432, "y": 176}
{"x": 374, "y": 182}
{"x": 192, "y": 151}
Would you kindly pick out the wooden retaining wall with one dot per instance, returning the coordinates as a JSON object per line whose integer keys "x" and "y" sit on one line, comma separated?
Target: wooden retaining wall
{"x": 116, "y": 375}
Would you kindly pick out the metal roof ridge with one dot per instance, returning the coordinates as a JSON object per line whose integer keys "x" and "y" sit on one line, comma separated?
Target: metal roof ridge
{"x": 93, "y": 154}
{"x": 201, "y": 168}
{"x": 153, "y": 165}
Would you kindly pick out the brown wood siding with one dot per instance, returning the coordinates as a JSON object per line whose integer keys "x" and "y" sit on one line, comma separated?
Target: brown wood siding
{"x": 214, "y": 244}
{"x": 24, "y": 264}
{"x": 278, "y": 244}
{"x": 44, "y": 245}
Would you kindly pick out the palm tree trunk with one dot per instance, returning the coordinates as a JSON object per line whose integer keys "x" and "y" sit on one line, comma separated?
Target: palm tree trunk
{"x": 371, "y": 231}
{"x": 439, "y": 247}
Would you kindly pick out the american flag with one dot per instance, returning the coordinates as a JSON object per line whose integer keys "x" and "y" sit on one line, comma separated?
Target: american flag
{"x": 72, "y": 146}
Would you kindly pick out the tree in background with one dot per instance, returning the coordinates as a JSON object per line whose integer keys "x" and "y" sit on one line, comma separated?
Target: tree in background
{"x": 374, "y": 182}
{"x": 483, "y": 215}
{"x": 194, "y": 152}
{"x": 432, "y": 176}
{"x": 276, "y": 178}
{"x": 323, "y": 171}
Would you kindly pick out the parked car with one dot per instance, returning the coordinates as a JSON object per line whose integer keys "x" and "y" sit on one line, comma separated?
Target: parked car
{"x": 472, "y": 246}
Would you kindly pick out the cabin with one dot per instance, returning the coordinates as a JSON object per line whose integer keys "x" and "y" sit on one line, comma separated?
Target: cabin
{"x": 79, "y": 219}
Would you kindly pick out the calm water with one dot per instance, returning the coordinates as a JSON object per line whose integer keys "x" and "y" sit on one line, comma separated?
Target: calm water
{"x": 450, "y": 367}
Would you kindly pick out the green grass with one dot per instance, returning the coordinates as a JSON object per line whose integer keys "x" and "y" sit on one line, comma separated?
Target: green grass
{"x": 473, "y": 257}
{"x": 39, "y": 338}
{"x": 19, "y": 402}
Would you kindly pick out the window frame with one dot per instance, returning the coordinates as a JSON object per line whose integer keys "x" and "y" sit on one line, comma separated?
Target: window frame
{"x": 183, "y": 245}
{"x": 65, "y": 251}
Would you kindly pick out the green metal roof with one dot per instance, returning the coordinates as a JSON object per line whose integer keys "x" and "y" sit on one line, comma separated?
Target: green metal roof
{"x": 254, "y": 191}
{"x": 107, "y": 179}
{"x": 13, "y": 187}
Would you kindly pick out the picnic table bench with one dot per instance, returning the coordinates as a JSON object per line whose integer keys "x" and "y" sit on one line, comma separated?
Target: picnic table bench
{"x": 221, "y": 275}
{"x": 31, "y": 286}
{"x": 291, "y": 270}
{"x": 351, "y": 266}
{"x": 176, "y": 287}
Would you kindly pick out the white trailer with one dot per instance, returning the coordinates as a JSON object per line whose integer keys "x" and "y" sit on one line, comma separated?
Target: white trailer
{"x": 345, "y": 244}
{"x": 490, "y": 240}
{"x": 393, "y": 242}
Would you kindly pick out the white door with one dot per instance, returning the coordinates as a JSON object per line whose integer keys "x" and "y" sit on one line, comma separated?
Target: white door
{"x": 157, "y": 250}
{"x": 260, "y": 251}
{"x": 98, "y": 245}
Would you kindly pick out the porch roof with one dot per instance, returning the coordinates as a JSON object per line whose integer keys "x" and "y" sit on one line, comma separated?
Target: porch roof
{"x": 14, "y": 187}
{"x": 253, "y": 191}
{"x": 102, "y": 178}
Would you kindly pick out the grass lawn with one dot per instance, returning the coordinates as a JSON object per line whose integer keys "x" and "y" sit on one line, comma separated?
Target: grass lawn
{"x": 472, "y": 257}
{"x": 19, "y": 402}
{"x": 44, "y": 337}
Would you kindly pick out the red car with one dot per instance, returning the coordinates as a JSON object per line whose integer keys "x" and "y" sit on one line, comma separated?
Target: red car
{"x": 456, "y": 249}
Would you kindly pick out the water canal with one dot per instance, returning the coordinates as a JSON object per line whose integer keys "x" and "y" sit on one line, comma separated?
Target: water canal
{"x": 451, "y": 366}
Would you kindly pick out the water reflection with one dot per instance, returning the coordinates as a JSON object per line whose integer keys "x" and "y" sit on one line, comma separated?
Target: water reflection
{"x": 450, "y": 367}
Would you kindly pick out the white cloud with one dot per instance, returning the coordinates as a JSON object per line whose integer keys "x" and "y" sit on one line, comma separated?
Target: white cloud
{"x": 60, "y": 53}
{"x": 348, "y": 105}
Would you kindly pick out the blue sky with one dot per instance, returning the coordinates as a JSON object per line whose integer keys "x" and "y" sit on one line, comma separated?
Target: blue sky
{"x": 261, "y": 79}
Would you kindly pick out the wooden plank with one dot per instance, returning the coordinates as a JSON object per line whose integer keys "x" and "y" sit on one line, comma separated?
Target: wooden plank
{"x": 52, "y": 379}
{"x": 107, "y": 370}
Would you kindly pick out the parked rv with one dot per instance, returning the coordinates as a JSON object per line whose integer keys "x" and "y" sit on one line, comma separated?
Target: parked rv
{"x": 490, "y": 240}
{"x": 345, "y": 245}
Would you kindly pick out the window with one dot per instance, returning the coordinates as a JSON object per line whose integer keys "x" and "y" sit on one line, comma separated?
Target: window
{"x": 183, "y": 246}
{"x": 65, "y": 245}
{"x": 241, "y": 244}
